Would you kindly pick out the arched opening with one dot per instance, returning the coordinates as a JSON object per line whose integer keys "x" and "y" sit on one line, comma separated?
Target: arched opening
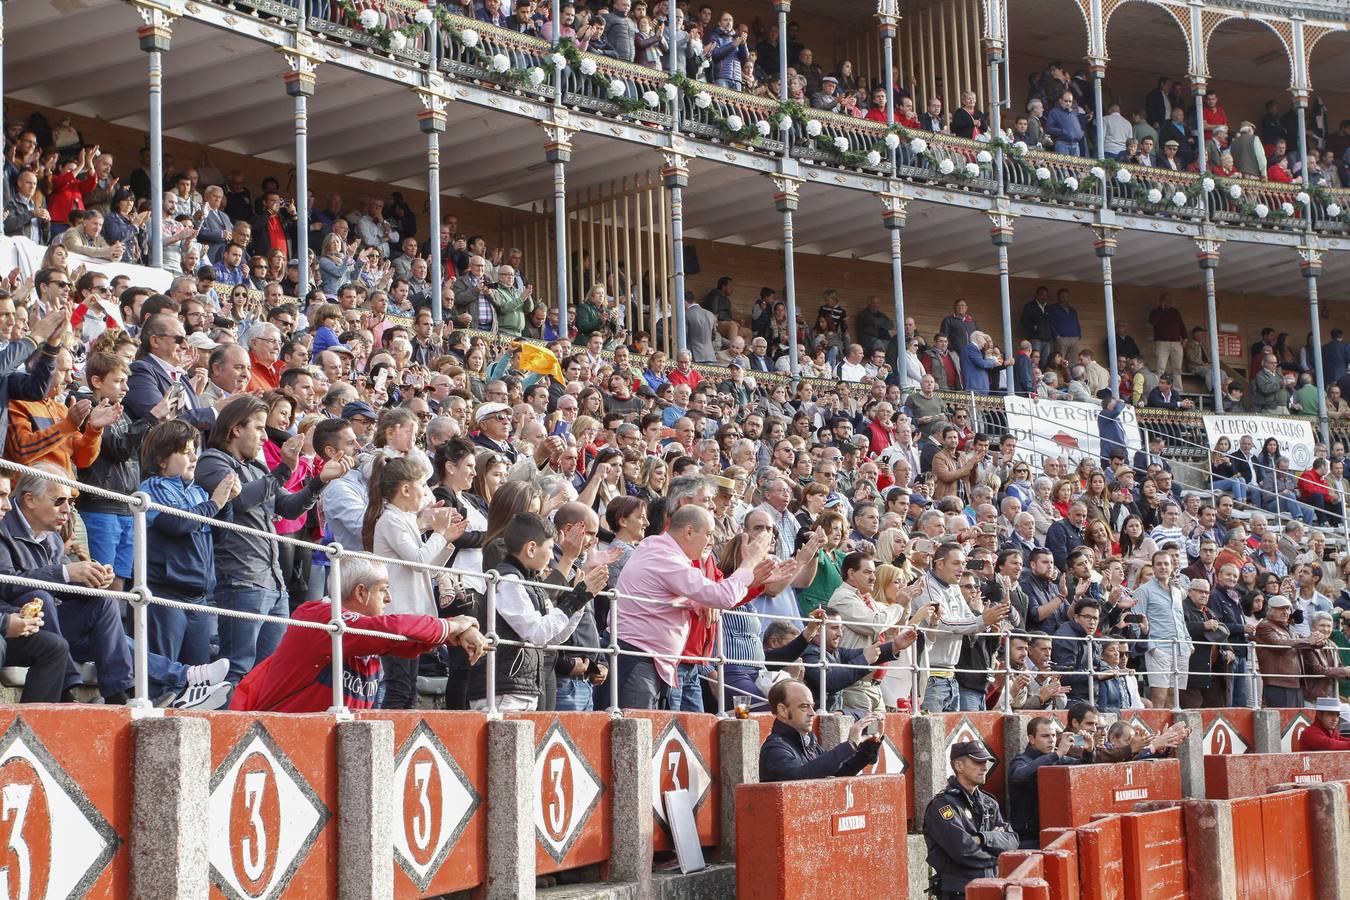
{"x": 1145, "y": 44}
{"x": 1042, "y": 32}
{"x": 1329, "y": 75}
{"x": 1250, "y": 71}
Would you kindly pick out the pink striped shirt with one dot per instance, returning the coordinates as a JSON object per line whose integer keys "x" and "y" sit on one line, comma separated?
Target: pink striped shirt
{"x": 660, "y": 571}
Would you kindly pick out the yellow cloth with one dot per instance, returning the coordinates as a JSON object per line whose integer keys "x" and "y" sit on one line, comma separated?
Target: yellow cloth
{"x": 540, "y": 360}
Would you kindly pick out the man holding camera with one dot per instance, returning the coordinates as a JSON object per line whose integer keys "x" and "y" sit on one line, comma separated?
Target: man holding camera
{"x": 790, "y": 753}
{"x": 1047, "y": 745}
{"x": 963, "y": 828}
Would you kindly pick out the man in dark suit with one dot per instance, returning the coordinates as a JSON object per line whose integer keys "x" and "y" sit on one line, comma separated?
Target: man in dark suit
{"x": 1144, "y": 458}
{"x": 1157, "y": 109}
{"x": 759, "y": 355}
{"x": 157, "y": 374}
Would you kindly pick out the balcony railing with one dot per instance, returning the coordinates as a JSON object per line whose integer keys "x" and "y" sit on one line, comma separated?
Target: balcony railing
{"x": 508, "y": 61}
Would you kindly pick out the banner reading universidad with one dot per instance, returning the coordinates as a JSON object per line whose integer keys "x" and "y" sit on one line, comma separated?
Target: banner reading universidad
{"x": 1295, "y": 435}
{"x": 1060, "y": 428}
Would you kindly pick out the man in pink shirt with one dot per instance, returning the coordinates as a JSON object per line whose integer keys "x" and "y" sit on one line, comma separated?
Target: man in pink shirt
{"x": 663, "y": 571}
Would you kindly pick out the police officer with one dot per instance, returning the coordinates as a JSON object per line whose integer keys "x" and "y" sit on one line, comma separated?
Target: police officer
{"x": 963, "y": 827}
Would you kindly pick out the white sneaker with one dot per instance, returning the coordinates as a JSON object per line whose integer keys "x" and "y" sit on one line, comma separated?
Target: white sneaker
{"x": 211, "y": 673}
{"x": 203, "y": 696}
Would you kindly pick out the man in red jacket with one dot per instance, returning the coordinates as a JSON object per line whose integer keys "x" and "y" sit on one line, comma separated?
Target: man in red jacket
{"x": 297, "y": 677}
{"x": 1325, "y": 731}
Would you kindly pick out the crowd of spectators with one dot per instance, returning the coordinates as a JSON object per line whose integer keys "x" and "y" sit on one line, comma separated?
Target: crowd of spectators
{"x": 928, "y": 561}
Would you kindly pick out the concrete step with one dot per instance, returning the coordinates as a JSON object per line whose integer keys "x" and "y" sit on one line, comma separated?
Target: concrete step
{"x": 717, "y": 882}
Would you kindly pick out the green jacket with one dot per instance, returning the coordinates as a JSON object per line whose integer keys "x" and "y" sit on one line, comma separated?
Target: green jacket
{"x": 821, "y": 588}
{"x": 1343, "y": 652}
{"x": 512, "y": 308}
{"x": 588, "y": 319}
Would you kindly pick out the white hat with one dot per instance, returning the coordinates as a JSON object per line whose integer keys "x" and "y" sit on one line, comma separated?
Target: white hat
{"x": 488, "y": 409}
{"x": 200, "y": 341}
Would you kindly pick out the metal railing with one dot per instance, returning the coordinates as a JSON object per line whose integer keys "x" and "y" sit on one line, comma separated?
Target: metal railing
{"x": 140, "y": 598}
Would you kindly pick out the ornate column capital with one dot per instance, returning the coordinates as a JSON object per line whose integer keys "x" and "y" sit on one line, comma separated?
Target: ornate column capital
{"x": 785, "y": 196}
{"x": 158, "y": 15}
{"x": 1001, "y": 220}
{"x": 1208, "y": 244}
{"x": 434, "y": 100}
{"x": 895, "y": 211}
{"x": 888, "y": 17}
{"x": 558, "y": 132}
{"x": 1104, "y": 238}
{"x": 675, "y": 167}
{"x": 1310, "y": 258}
{"x": 303, "y": 62}
{"x": 782, "y": 6}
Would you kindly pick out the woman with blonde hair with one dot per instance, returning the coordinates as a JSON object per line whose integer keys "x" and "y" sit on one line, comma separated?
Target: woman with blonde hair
{"x": 891, "y": 543}
{"x": 336, "y": 266}
{"x": 655, "y": 476}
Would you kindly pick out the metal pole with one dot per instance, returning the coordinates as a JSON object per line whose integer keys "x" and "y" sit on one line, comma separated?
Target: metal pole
{"x": 782, "y": 7}
{"x": 560, "y": 239}
{"x": 677, "y": 238}
{"x": 1099, "y": 73}
{"x": 672, "y": 58}
{"x": 1176, "y": 676}
{"x": 335, "y": 594}
{"x": 156, "y": 161}
{"x": 434, "y": 173}
{"x": 1200, "y": 149}
{"x": 790, "y": 291}
{"x": 554, "y": 16}
{"x": 302, "y": 191}
{"x": 721, "y": 672}
{"x": 1106, "y": 248}
{"x": 1091, "y": 676}
{"x": 888, "y": 50}
{"x": 1005, "y": 700}
{"x": 996, "y": 123}
{"x": 490, "y": 616}
{"x": 821, "y": 703}
{"x": 895, "y": 220}
{"x": 1211, "y": 311}
{"x": 613, "y": 680}
{"x": 1005, "y": 298}
{"x": 140, "y": 608}
{"x": 1253, "y": 677}
{"x": 1311, "y": 270}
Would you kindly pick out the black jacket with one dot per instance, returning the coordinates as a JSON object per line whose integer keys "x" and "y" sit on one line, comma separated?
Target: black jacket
{"x": 965, "y": 834}
{"x": 1072, "y": 654}
{"x": 1035, "y": 322}
{"x": 788, "y": 756}
{"x": 18, "y": 216}
{"x": 117, "y": 467}
{"x": 23, "y": 555}
{"x": 1024, "y": 801}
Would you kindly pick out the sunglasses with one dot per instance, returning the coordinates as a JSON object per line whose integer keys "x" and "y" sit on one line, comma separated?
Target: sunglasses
{"x": 61, "y": 501}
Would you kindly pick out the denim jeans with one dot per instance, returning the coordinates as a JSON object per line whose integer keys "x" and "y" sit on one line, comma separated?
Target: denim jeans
{"x": 639, "y": 685}
{"x": 1068, "y": 148}
{"x": 574, "y": 695}
{"x": 247, "y": 642}
{"x": 110, "y": 540}
{"x": 971, "y": 701}
{"x": 687, "y": 696}
{"x": 941, "y": 695}
{"x": 180, "y": 636}
{"x": 1235, "y": 486}
{"x": 1240, "y": 683}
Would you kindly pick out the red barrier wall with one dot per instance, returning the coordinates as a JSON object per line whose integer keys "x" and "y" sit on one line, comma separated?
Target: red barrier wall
{"x": 897, "y": 755}
{"x": 829, "y": 839}
{"x": 1059, "y": 863}
{"x": 1292, "y": 723}
{"x": 1253, "y": 774}
{"x": 1072, "y": 795}
{"x": 440, "y": 797}
{"x": 66, "y": 784}
{"x": 1155, "y": 855}
{"x": 1101, "y": 866}
{"x": 685, "y": 754}
{"x": 572, "y": 803}
{"x": 1272, "y": 853}
{"x": 1227, "y": 731}
{"x": 273, "y": 808}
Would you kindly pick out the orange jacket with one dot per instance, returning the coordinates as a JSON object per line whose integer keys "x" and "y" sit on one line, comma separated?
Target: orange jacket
{"x": 40, "y": 432}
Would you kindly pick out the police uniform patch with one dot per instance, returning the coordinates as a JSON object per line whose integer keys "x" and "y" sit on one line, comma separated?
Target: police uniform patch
{"x": 947, "y": 812}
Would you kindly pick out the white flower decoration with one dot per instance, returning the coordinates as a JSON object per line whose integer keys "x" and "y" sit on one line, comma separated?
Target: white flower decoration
{"x": 559, "y": 61}
{"x": 1124, "y": 176}
{"x": 468, "y": 37}
{"x": 1098, "y": 173}
{"x": 1207, "y": 183}
{"x": 1071, "y": 183}
{"x": 785, "y": 123}
{"x": 397, "y": 40}
{"x": 617, "y": 87}
{"x": 984, "y": 157}
{"x": 734, "y": 122}
{"x": 841, "y": 144}
{"x": 1042, "y": 174}
{"x": 1261, "y": 210}
{"x": 422, "y": 17}
{"x": 763, "y": 127}
{"x": 537, "y": 76}
{"x": 1179, "y": 199}
{"x": 918, "y": 146}
{"x": 588, "y": 67}
{"x": 1019, "y": 147}
{"x": 891, "y": 140}
{"x": 971, "y": 169}
{"x": 651, "y": 98}
{"x": 1302, "y": 198}
{"x": 946, "y": 167}
{"x": 369, "y": 19}
{"x": 670, "y": 90}
{"x": 500, "y": 62}
{"x": 873, "y": 158}
{"x": 703, "y": 100}
{"x": 1235, "y": 191}
{"x": 1287, "y": 208}
{"x": 812, "y": 128}
{"x": 1333, "y": 210}
{"x": 1154, "y": 195}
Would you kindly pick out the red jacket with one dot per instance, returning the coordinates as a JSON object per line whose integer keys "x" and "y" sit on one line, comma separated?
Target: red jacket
{"x": 1315, "y": 738}
{"x": 67, "y": 194}
{"x": 1310, "y": 484}
{"x": 296, "y": 678}
{"x": 878, "y": 437}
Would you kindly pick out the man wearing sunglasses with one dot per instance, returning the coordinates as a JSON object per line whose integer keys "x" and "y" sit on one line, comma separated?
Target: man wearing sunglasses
{"x": 158, "y": 374}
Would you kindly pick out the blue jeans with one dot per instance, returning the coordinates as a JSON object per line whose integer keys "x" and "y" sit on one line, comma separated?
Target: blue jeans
{"x": 247, "y": 642}
{"x": 687, "y": 696}
{"x": 179, "y": 636}
{"x": 732, "y": 83}
{"x": 1235, "y": 486}
{"x": 1068, "y": 148}
{"x": 1240, "y": 684}
{"x": 574, "y": 695}
{"x": 941, "y": 695}
{"x": 110, "y": 540}
{"x": 92, "y": 626}
{"x": 971, "y": 701}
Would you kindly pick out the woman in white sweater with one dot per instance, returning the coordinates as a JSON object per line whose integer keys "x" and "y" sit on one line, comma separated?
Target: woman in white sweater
{"x": 399, "y": 511}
